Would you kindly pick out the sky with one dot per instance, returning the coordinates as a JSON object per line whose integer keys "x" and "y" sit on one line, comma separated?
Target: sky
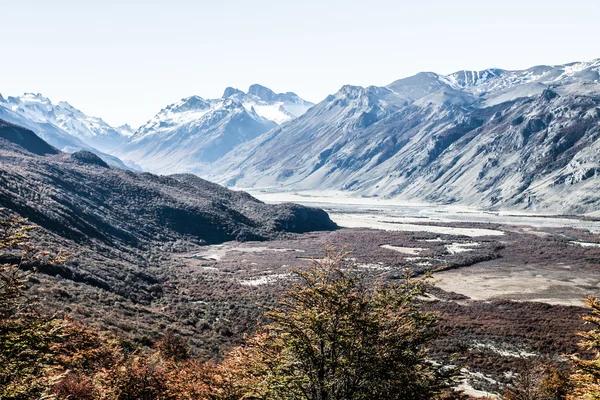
{"x": 124, "y": 60}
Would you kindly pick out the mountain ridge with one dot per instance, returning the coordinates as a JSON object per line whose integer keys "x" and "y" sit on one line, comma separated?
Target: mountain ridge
{"x": 408, "y": 139}
{"x": 413, "y": 143}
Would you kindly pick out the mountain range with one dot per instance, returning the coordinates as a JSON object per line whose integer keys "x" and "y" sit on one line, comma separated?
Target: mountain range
{"x": 193, "y": 133}
{"x": 496, "y": 138}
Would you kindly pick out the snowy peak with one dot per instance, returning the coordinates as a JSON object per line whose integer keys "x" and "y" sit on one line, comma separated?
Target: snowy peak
{"x": 33, "y": 106}
{"x": 495, "y": 78}
{"x": 358, "y": 92}
{"x": 357, "y": 100}
{"x": 233, "y": 92}
{"x": 466, "y": 78}
{"x": 494, "y": 86}
{"x": 418, "y": 86}
{"x": 126, "y": 130}
{"x": 276, "y": 107}
{"x": 263, "y": 93}
{"x": 188, "y": 135}
{"x": 192, "y": 103}
{"x": 38, "y": 109}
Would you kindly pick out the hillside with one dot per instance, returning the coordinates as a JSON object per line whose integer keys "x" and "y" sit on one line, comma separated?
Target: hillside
{"x": 80, "y": 197}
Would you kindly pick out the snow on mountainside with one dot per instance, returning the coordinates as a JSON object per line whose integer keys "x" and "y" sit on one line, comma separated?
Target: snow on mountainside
{"x": 189, "y": 135}
{"x": 38, "y": 114}
{"x": 493, "y": 86}
{"x": 519, "y": 139}
{"x": 497, "y": 85}
{"x": 277, "y": 107}
{"x": 92, "y": 131}
{"x": 125, "y": 130}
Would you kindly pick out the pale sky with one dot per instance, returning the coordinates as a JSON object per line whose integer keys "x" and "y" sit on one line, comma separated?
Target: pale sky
{"x": 124, "y": 60}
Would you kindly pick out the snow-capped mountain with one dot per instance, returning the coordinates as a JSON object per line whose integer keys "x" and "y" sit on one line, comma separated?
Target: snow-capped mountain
{"x": 189, "y": 135}
{"x": 61, "y": 125}
{"x": 492, "y": 138}
{"x": 277, "y": 107}
{"x": 524, "y": 139}
{"x": 92, "y": 131}
{"x": 493, "y": 86}
{"x": 125, "y": 130}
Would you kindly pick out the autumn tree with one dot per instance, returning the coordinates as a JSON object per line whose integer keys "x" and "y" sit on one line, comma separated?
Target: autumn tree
{"x": 587, "y": 376}
{"x": 539, "y": 379}
{"x": 336, "y": 336}
{"x": 36, "y": 351}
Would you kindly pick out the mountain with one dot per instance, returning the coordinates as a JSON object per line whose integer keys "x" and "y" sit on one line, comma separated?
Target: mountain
{"x": 53, "y": 124}
{"x": 189, "y": 135}
{"x": 125, "y": 130}
{"x": 92, "y": 131}
{"x": 496, "y": 85}
{"x": 130, "y": 238}
{"x": 295, "y": 151}
{"x": 276, "y": 107}
{"x": 81, "y": 198}
{"x": 25, "y": 139}
{"x": 493, "y": 139}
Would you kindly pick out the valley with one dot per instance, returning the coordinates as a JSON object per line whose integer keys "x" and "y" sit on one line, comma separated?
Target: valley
{"x": 488, "y": 181}
{"x": 314, "y": 200}
{"x": 502, "y": 289}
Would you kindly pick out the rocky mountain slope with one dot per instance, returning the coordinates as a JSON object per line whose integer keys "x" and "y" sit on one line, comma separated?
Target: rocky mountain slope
{"x": 62, "y": 126}
{"x": 81, "y": 198}
{"x": 191, "y": 134}
{"x": 128, "y": 236}
{"x": 494, "y": 138}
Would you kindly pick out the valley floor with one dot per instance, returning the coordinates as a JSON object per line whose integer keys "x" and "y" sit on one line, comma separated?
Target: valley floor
{"x": 510, "y": 285}
{"x": 554, "y": 282}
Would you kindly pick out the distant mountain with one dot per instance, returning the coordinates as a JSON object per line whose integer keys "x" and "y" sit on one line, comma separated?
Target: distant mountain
{"x": 57, "y": 124}
{"x": 81, "y": 198}
{"x": 189, "y": 135}
{"x": 125, "y": 130}
{"x": 494, "y": 138}
{"x": 92, "y": 131}
{"x": 276, "y": 107}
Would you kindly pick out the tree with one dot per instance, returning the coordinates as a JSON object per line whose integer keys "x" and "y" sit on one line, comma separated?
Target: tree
{"x": 335, "y": 336}
{"x": 36, "y": 351}
{"x": 587, "y": 376}
{"x": 539, "y": 380}
{"x": 173, "y": 347}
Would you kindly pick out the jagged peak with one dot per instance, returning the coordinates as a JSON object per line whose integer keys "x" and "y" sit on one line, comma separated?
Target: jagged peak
{"x": 189, "y": 103}
{"x": 262, "y": 92}
{"x": 230, "y": 92}
{"x": 34, "y": 96}
{"x": 354, "y": 91}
